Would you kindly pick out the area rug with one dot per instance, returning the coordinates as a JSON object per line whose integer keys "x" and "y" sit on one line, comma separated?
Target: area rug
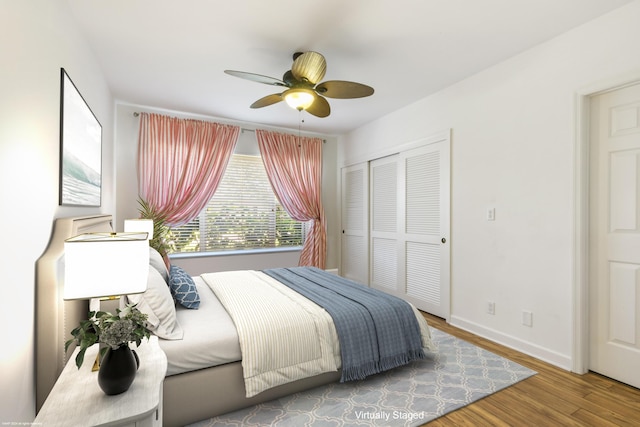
{"x": 455, "y": 375}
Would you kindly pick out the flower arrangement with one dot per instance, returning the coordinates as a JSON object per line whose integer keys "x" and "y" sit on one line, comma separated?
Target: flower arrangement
{"x": 113, "y": 330}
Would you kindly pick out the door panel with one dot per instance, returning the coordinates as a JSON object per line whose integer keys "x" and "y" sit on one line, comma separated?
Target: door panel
{"x": 424, "y": 227}
{"x": 615, "y": 235}
{"x": 423, "y": 274}
{"x": 384, "y": 195}
{"x": 355, "y": 225}
{"x": 384, "y": 264}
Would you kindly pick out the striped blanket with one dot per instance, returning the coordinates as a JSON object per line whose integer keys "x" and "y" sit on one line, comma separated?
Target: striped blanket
{"x": 283, "y": 336}
{"x": 377, "y": 331}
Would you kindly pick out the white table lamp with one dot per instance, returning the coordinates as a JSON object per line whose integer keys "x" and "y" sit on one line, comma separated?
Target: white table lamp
{"x": 105, "y": 264}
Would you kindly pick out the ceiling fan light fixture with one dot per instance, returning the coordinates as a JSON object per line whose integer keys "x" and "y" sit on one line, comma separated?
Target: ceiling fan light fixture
{"x": 303, "y": 90}
{"x": 299, "y": 99}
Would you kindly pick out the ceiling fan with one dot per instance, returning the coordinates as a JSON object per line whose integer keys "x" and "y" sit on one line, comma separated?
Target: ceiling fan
{"x": 303, "y": 90}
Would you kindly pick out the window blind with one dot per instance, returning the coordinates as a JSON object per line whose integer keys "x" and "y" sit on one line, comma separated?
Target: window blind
{"x": 243, "y": 214}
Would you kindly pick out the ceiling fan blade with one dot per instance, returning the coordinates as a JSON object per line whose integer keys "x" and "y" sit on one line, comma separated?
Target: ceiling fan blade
{"x": 343, "y": 90}
{"x": 267, "y": 100}
{"x": 309, "y": 66}
{"x": 256, "y": 77}
{"x": 320, "y": 107}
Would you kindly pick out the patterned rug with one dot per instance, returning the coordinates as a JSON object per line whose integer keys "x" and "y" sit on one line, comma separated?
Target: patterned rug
{"x": 457, "y": 374}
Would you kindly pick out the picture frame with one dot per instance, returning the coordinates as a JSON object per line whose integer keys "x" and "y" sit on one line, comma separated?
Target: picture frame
{"x": 80, "y": 148}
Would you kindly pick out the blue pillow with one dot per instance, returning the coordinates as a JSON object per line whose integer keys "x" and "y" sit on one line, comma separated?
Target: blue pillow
{"x": 183, "y": 288}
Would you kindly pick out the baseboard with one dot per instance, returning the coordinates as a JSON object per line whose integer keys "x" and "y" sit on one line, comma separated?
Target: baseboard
{"x": 544, "y": 354}
{"x": 332, "y": 271}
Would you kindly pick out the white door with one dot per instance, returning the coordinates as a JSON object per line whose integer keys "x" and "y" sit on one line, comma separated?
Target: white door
{"x": 424, "y": 223}
{"x": 383, "y": 233}
{"x": 355, "y": 225}
{"x": 615, "y": 235}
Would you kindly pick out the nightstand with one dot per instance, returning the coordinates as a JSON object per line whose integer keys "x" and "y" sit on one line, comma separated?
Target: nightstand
{"x": 77, "y": 400}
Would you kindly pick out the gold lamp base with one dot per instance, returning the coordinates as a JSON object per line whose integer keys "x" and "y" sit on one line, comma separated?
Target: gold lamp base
{"x": 96, "y": 364}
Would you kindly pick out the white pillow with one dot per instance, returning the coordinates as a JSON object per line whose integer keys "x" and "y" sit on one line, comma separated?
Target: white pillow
{"x": 157, "y": 303}
{"x": 157, "y": 262}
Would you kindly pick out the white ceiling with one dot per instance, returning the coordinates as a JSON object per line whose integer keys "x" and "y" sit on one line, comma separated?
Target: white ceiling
{"x": 171, "y": 54}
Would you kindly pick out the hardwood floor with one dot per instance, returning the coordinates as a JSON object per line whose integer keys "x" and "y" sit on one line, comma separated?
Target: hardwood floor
{"x": 553, "y": 397}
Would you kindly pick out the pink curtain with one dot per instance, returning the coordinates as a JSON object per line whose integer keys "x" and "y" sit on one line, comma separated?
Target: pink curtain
{"x": 294, "y": 167}
{"x": 181, "y": 163}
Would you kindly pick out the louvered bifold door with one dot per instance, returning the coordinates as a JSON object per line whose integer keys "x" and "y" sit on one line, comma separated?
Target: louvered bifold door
{"x": 424, "y": 221}
{"x": 355, "y": 225}
{"x": 384, "y": 224}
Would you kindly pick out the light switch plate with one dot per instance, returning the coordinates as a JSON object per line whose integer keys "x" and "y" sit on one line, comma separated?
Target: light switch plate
{"x": 491, "y": 214}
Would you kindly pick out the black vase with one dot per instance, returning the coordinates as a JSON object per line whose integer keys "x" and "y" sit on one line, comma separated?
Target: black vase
{"x": 117, "y": 370}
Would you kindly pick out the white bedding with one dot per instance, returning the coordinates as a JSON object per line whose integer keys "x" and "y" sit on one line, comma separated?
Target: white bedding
{"x": 283, "y": 336}
{"x": 210, "y": 337}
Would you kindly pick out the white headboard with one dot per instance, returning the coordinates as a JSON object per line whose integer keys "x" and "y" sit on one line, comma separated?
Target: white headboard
{"x": 55, "y": 317}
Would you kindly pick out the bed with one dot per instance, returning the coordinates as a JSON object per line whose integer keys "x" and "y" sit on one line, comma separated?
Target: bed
{"x": 199, "y": 384}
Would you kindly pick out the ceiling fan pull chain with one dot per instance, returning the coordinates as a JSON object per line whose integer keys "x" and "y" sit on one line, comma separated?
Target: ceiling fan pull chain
{"x": 300, "y": 121}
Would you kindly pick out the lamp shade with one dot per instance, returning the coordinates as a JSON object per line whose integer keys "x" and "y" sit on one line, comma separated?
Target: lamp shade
{"x": 299, "y": 98}
{"x": 105, "y": 264}
{"x": 139, "y": 226}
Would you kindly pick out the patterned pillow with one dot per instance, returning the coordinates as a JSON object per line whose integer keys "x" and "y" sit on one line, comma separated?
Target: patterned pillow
{"x": 183, "y": 288}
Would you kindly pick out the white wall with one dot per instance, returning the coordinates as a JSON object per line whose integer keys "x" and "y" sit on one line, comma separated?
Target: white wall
{"x": 513, "y": 144}
{"x": 127, "y": 128}
{"x": 37, "y": 38}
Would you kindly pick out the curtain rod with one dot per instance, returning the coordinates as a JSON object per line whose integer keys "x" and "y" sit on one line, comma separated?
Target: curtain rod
{"x": 136, "y": 114}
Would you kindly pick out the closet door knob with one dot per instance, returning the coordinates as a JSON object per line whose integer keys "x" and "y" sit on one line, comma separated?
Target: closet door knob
{"x": 443, "y": 240}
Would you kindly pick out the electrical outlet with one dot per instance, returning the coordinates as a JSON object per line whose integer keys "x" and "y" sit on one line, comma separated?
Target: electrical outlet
{"x": 527, "y": 318}
{"x": 491, "y": 307}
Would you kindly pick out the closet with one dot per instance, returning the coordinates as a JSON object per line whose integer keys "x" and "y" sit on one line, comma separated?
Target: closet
{"x": 396, "y": 220}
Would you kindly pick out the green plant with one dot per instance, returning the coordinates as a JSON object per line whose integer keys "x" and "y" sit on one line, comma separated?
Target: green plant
{"x": 160, "y": 229}
{"x": 113, "y": 330}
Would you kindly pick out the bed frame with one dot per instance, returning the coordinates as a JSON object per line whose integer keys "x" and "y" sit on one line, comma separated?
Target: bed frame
{"x": 187, "y": 398}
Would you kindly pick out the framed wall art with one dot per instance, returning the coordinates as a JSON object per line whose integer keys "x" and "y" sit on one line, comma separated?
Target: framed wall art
{"x": 80, "y": 148}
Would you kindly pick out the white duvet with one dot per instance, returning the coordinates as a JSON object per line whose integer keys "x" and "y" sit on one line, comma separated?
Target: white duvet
{"x": 283, "y": 336}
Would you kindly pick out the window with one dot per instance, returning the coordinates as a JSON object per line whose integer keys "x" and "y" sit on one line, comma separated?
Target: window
{"x": 244, "y": 213}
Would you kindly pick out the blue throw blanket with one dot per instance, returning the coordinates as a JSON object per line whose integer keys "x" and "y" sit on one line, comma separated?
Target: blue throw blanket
{"x": 377, "y": 331}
